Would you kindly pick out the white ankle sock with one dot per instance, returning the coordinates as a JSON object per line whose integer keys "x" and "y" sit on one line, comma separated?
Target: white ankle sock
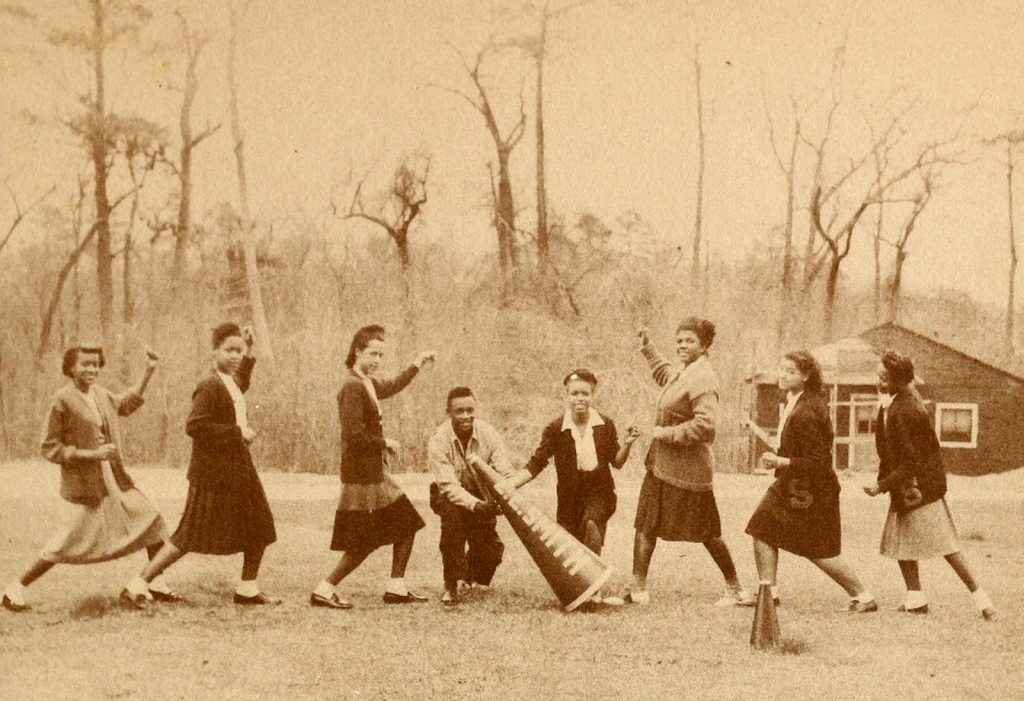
{"x": 981, "y": 600}
{"x": 324, "y": 589}
{"x": 865, "y": 597}
{"x": 137, "y": 586}
{"x": 915, "y": 599}
{"x": 160, "y": 585}
{"x": 396, "y": 585}
{"x": 15, "y": 591}
{"x": 247, "y": 587}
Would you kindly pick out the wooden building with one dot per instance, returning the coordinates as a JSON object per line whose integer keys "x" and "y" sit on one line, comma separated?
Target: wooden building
{"x": 978, "y": 408}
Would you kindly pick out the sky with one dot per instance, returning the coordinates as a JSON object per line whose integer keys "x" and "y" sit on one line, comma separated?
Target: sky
{"x": 335, "y": 90}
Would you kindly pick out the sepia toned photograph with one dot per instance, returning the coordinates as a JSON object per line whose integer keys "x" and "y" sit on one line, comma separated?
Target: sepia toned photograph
{"x": 533, "y": 349}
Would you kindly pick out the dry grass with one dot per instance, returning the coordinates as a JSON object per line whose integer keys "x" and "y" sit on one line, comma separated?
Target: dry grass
{"x": 512, "y": 642}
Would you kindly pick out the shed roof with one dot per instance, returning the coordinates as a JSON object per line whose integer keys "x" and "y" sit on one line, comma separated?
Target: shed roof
{"x": 848, "y": 361}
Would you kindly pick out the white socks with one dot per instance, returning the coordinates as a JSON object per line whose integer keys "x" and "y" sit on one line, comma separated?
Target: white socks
{"x": 324, "y": 589}
{"x": 15, "y": 591}
{"x": 396, "y": 585}
{"x": 247, "y": 587}
{"x": 981, "y": 600}
{"x": 160, "y": 585}
{"x": 865, "y": 597}
{"x": 138, "y": 587}
{"x": 915, "y": 599}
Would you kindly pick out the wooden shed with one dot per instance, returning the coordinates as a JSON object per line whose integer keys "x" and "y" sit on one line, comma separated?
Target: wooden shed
{"x": 978, "y": 409}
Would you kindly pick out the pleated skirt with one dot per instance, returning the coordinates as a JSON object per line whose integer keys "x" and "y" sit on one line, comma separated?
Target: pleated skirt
{"x": 372, "y": 515}
{"x": 925, "y": 532}
{"x": 120, "y": 524}
{"x": 671, "y": 513}
{"x": 226, "y": 519}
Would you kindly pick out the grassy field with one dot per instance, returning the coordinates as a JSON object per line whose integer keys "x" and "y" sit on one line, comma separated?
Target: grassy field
{"x": 512, "y": 642}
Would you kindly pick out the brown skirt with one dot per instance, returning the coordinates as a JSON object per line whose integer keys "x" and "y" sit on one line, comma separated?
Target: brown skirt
{"x": 925, "y": 532}
{"x": 671, "y": 513}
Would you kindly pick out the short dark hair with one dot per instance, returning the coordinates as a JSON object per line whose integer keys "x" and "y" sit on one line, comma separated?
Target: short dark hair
{"x": 899, "y": 367}
{"x": 361, "y": 339}
{"x": 580, "y": 374}
{"x": 222, "y": 332}
{"x": 458, "y": 393}
{"x": 808, "y": 365}
{"x": 701, "y": 327}
{"x": 72, "y": 353}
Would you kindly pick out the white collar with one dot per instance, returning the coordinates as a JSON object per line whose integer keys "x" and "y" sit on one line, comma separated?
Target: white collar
{"x": 791, "y": 399}
{"x": 885, "y": 400}
{"x": 594, "y": 420}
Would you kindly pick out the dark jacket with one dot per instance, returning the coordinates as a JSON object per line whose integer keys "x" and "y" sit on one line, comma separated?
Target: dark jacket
{"x": 362, "y": 432}
{"x": 558, "y": 443}
{"x": 219, "y": 453}
{"x": 69, "y": 429}
{"x": 910, "y": 467}
{"x": 807, "y": 441}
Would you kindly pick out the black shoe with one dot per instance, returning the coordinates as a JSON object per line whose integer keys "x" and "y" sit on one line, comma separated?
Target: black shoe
{"x": 260, "y": 599}
{"x": 135, "y": 601}
{"x": 332, "y": 602}
{"x": 167, "y": 597}
{"x": 862, "y": 606}
{"x": 11, "y": 606}
{"x": 407, "y": 598}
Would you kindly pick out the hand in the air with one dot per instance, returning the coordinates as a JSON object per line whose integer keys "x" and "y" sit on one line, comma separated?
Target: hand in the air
{"x": 248, "y": 337}
{"x": 643, "y": 335}
{"x": 425, "y": 358}
{"x": 152, "y": 357}
{"x": 632, "y": 433}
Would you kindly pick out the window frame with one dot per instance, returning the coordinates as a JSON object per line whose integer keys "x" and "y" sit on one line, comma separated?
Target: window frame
{"x": 957, "y": 406}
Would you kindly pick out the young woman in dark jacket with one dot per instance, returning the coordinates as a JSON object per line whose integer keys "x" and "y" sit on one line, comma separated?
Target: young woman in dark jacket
{"x": 919, "y": 524}
{"x": 226, "y": 510}
{"x": 372, "y": 510}
{"x": 800, "y": 511}
{"x": 584, "y": 446}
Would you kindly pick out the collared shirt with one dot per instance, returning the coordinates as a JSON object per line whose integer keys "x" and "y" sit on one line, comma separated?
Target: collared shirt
{"x": 885, "y": 401}
{"x": 583, "y": 437}
{"x": 446, "y": 458}
{"x": 237, "y": 398}
{"x": 368, "y": 383}
{"x": 791, "y": 400}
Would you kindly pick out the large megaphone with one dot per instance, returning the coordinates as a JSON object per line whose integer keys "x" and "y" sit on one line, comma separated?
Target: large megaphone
{"x": 572, "y": 569}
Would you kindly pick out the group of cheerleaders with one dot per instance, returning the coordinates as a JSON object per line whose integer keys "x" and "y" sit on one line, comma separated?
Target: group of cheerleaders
{"x": 226, "y": 510}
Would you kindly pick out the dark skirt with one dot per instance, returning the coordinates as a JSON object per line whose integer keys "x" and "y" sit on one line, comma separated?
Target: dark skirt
{"x": 672, "y": 513}
{"x": 799, "y": 518}
{"x": 590, "y": 500}
{"x": 226, "y": 519}
{"x": 365, "y": 530}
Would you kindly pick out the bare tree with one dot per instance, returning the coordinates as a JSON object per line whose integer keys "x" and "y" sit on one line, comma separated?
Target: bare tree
{"x": 698, "y": 218}
{"x": 501, "y": 182}
{"x": 192, "y": 43}
{"x": 248, "y": 228}
{"x": 399, "y": 208}
{"x": 787, "y": 166}
{"x": 537, "y": 47}
{"x": 920, "y": 200}
{"x": 19, "y": 213}
{"x": 1011, "y": 140}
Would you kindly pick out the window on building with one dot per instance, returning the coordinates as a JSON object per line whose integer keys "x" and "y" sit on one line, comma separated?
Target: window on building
{"x": 956, "y": 425}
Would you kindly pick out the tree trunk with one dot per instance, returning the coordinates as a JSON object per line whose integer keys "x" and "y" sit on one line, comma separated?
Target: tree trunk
{"x": 698, "y": 219}
{"x": 1011, "y": 302}
{"x": 876, "y": 304}
{"x": 786, "y": 296}
{"x": 542, "y": 198}
{"x": 831, "y": 292}
{"x": 506, "y": 213}
{"x": 51, "y": 308}
{"x": 895, "y": 287}
{"x": 98, "y": 144}
{"x": 248, "y": 244}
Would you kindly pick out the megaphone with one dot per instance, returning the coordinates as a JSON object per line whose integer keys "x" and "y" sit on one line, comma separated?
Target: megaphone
{"x": 573, "y": 570}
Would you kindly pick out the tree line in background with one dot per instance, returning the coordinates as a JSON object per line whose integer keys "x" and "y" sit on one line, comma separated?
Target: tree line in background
{"x": 560, "y": 291}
